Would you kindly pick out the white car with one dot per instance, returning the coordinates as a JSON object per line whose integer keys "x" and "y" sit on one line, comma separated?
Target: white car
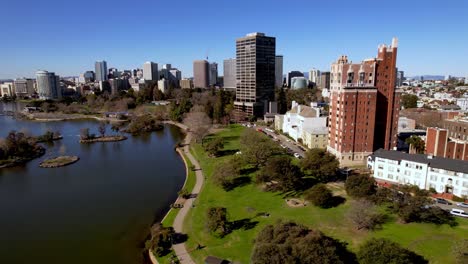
{"x": 458, "y": 212}
{"x": 463, "y": 205}
{"x": 297, "y": 155}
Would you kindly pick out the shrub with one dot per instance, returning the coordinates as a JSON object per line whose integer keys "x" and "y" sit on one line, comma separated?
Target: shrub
{"x": 360, "y": 186}
{"x": 216, "y": 221}
{"x": 383, "y": 251}
{"x": 319, "y": 195}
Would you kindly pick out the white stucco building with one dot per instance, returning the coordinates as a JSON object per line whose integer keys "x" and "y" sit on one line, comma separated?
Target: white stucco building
{"x": 444, "y": 175}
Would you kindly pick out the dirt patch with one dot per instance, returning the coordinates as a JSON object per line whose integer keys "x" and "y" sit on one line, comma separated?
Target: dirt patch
{"x": 294, "y": 202}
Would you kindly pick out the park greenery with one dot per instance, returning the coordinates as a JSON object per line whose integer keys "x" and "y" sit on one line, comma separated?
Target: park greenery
{"x": 319, "y": 195}
{"x": 251, "y": 201}
{"x": 161, "y": 240}
{"x": 409, "y": 101}
{"x": 417, "y": 143}
{"x": 17, "y": 148}
{"x": 384, "y": 251}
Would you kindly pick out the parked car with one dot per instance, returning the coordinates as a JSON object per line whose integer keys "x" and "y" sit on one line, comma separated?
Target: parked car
{"x": 442, "y": 201}
{"x": 297, "y": 155}
{"x": 458, "y": 212}
{"x": 463, "y": 205}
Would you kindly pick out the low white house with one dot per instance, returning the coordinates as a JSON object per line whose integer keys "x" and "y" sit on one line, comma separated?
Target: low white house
{"x": 302, "y": 118}
{"x": 442, "y": 174}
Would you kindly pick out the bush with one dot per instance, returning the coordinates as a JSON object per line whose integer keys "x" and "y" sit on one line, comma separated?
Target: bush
{"x": 161, "y": 240}
{"x": 319, "y": 195}
{"x": 420, "y": 209}
{"x": 364, "y": 215}
{"x": 293, "y": 243}
{"x": 383, "y": 251}
{"x": 360, "y": 186}
{"x": 214, "y": 146}
{"x": 320, "y": 164}
{"x": 216, "y": 221}
{"x": 184, "y": 193}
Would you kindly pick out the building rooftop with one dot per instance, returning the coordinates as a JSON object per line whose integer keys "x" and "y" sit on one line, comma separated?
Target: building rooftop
{"x": 434, "y": 162}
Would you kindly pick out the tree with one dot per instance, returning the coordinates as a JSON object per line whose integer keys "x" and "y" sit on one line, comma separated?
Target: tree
{"x": 102, "y": 129}
{"x": 460, "y": 251}
{"x": 360, "y": 186}
{"x": 282, "y": 102}
{"x": 282, "y": 170}
{"x": 214, "y": 146}
{"x": 320, "y": 164}
{"x": 409, "y": 101}
{"x": 419, "y": 209}
{"x": 256, "y": 147}
{"x": 293, "y": 243}
{"x": 319, "y": 195}
{"x": 226, "y": 173}
{"x": 199, "y": 123}
{"x": 161, "y": 240}
{"x": 364, "y": 215}
{"x": 417, "y": 143}
{"x": 84, "y": 133}
{"x": 384, "y": 251}
{"x": 216, "y": 221}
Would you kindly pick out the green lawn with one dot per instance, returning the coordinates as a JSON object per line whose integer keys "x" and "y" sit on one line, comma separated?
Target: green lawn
{"x": 431, "y": 241}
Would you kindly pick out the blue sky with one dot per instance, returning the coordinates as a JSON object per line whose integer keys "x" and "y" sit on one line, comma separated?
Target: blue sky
{"x": 68, "y": 36}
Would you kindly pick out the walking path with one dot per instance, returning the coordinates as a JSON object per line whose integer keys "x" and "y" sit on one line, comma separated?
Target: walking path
{"x": 180, "y": 249}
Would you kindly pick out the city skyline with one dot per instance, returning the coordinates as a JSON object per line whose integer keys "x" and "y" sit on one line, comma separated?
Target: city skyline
{"x": 78, "y": 43}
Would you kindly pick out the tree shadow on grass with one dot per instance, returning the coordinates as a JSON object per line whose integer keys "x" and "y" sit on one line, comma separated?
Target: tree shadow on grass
{"x": 244, "y": 224}
{"x": 239, "y": 182}
{"x": 227, "y": 152}
{"x": 336, "y": 201}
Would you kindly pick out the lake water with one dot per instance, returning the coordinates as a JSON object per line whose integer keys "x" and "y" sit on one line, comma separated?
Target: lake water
{"x": 97, "y": 210}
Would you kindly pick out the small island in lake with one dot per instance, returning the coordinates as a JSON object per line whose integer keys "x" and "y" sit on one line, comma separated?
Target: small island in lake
{"x": 59, "y": 161}
{"x": 17, "y": 148}
{"x": 86, "y": 137}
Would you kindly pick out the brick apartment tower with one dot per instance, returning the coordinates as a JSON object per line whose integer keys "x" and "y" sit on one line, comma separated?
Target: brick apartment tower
{"x": 364, "y": 106}
{"x": 255, "y": 75}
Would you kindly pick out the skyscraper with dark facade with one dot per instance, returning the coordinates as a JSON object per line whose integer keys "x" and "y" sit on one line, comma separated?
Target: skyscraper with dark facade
{"x": 364, "y": 105}
{"x": 213, "y": 73}
{"x": 255, "y": 74}
{"x": 101, "y": 71}
{"x": 201, "y": 76}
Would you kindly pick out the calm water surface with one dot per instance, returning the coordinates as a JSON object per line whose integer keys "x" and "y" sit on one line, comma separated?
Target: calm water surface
{"x": 97, "y": 210}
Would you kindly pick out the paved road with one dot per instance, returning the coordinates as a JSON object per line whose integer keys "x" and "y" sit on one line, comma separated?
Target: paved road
{"x": 285, "y": 141}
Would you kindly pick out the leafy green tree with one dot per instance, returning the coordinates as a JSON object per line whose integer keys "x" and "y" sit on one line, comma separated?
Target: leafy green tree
{"x": 282, "y": 101}
{"x": 292, "y": 243}
{"x": 161, "y": 240}
{"x": 409, "y": 101}
{"x": 216, "y": 221}
{"x": 419, "y": 209}
{"x": 282, "y": 170}
{"x": 319, "y": 195}
{"x": 214, "y": 146}
{"x": 384, "y": 251}
{"x": 320, "y": 164}
{"x": 257, "y": 148}
{"x": 360, "y": 186}
{"x": 226, "y": 173}
{"x": 417, "y": 143}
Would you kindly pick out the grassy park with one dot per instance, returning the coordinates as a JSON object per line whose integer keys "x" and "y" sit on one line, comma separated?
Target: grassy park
{"x": 247, "y": 205}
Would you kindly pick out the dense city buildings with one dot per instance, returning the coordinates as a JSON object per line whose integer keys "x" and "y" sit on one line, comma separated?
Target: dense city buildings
{"x": 279, "y": 71}
{"x": 201, "y": 76}
{"x": 6, "y": 89}
{"x": 101, "y": 71}
{"x": 186, "y": 84}
{"x": 24, "y": 87}
{"x": 174, "y": 77}
{"x": 48, "y": 85}
{"x": 364, "y": 106}
{"x": 213, "y": 73}
{"x": 163, "y": 85}
{"x": 291, "y": 75}
{"x": 255, "y": 74}
{"x": 229, "y": 70}
{"x": 150, "y": 71}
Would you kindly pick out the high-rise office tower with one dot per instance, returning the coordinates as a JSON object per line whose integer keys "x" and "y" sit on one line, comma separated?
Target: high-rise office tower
{"x": 201, "y": 74}
{"x": 324, "y": 80}
{"x": 255, "y": 74}
{"x": 24, "y": 87}
{"x": 314, "y": 76}
{"x": 279, "y": 71}
{"x": 175, "y": 76}
{"x": 101, "y": 71}
{"x": 229, "y": 68}
{"x": 150, "y": 71}
{"x": 48, "y": 85}
{"x": 400, "y": 78}
{"x": 364, "y": 106}
{"x": 213, "y": 73}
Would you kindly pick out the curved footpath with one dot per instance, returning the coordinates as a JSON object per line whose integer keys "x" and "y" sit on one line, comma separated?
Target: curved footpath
{"x": 180, "y": 249}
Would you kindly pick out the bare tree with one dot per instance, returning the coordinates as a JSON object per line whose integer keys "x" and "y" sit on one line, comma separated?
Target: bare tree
{"x": 198, "y": 122}
{"x": 363, "y": 214}
{"x": 102, "y": 129}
